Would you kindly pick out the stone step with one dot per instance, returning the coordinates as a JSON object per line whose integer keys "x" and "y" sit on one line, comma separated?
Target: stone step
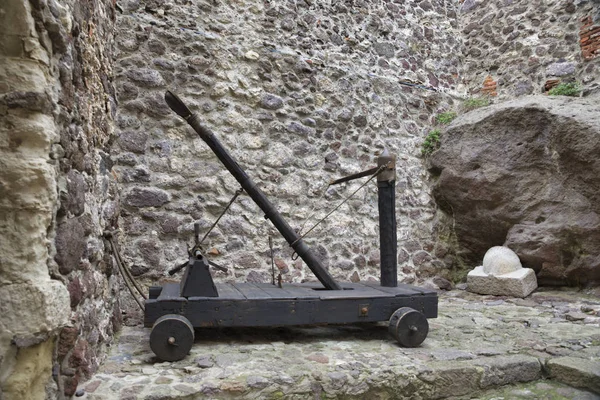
{"x": 478, "y": 344}
{"x": 577, "y": 372}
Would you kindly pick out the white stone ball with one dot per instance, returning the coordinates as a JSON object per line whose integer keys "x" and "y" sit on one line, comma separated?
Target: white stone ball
{"x": 500, "y": 260}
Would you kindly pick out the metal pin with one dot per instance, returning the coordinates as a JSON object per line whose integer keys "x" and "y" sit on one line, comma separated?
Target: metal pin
{"x": 197, "y": 233}
{"x": 272, "y": 262}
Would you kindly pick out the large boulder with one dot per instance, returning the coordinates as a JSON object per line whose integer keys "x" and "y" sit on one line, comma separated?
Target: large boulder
{"x": 526, "y": 174}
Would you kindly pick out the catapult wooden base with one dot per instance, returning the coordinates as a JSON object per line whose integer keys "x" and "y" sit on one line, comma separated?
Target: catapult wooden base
{"x": 174, "y": 310}
{"x": 262, "y": 304}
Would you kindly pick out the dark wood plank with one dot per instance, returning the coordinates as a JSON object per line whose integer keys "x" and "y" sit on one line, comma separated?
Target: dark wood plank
{"x": 170, "y": 291}
{"x": 277, "y": 312}
{"x": 251, "y": 292}
{"x": 351, "y": 294}
{"x": 361, "y": 286}
{"x": 347, "y": 285}
{"x": 154, "y": 309}
{"x": 311, "y": 285}
{"x": 275, "y": 291}
{"x": 356, "y": 291}
{"x": 417, "y": 289}
{"x": 228, "y": 291}
{"x": 300, "y": 292}
{"x": 400, "y": 291}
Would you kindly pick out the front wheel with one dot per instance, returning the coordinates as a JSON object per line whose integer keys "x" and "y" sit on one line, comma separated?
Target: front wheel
{"x": 408, "y": 326}
{"x": 172, "y": 337}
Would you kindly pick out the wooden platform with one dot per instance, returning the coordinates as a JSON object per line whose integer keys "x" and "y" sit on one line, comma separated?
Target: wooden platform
{"x": 263, "y": 304}
{"x": 254, "y": 291}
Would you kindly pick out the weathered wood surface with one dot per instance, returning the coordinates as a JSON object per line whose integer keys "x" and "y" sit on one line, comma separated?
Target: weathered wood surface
{"x": 401, "y": 289}
{"x": 251, "y": 291}
{"x": 262, "y": 304}
{"x": 170, "y": 291}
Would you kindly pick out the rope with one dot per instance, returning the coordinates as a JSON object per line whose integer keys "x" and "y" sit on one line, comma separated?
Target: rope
{"x": 312, "y": 212}
{"x": 124, "y": 271}
{"x": 381, "y": 168}
{"x": 235, "y": 195}
{"x": 127, "y": 271}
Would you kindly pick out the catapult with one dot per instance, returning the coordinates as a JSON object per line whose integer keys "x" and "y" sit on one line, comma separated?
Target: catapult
{"x": 175, "y": 309}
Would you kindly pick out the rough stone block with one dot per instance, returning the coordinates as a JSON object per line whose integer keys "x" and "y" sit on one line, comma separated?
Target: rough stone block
{"x": 30, "y": 373}
{"x": 560, "y": 69}
{"x": 451, "y": 378}
{"x": 30, "y": 308}
{"x": 517, "y": 197}
{"x": 146, "y": 197}
{"x": 507, "y": 370}
{"x": 518, "y": 283}
{"x": 577, "y": 372}
{"x": 70, "y": 244}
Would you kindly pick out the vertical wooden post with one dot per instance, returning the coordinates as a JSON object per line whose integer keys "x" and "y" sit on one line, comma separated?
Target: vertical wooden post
{"x": 388, "y": 243}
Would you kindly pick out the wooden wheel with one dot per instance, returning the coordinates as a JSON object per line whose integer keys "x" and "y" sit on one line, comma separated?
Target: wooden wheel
{"x": 409, "y": 327}
{"x": 172, "y": 337}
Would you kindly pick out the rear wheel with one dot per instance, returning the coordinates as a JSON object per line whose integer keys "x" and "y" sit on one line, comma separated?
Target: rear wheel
{"x": 408, "y": 326}
{"x": 172, "y": 337}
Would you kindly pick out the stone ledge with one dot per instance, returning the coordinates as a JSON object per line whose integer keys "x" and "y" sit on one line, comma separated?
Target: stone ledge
{"x": 506, "y": 370}
{"x": 576, "y": 372}
{"x": 477, "y": 344}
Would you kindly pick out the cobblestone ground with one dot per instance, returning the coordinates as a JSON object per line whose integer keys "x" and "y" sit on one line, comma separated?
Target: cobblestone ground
{"x": 544, "y": 346}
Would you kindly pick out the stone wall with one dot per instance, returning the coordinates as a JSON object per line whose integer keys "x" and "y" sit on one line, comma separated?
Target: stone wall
{"x": 301, "y": 93}
{"x": 57, "y": 292}
{"x": 514, "y": 48}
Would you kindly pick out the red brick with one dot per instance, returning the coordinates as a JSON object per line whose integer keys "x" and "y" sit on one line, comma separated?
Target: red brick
{"x": 489, "y": 86}
{"x": 589, "y": 38}
{"x": 588, "y": 29}
{"x": 550, "y": 83}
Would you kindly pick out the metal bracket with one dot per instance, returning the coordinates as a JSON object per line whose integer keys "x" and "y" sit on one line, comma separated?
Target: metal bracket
{"x": 389, "y": 173}
{"x": 197, "y": 281}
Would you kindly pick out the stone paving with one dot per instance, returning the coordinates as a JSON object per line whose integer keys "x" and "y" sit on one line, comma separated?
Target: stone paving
{"x": 544, "y": 346}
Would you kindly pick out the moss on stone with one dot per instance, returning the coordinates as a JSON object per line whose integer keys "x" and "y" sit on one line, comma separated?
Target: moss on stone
{"x": 565, "y": 89}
